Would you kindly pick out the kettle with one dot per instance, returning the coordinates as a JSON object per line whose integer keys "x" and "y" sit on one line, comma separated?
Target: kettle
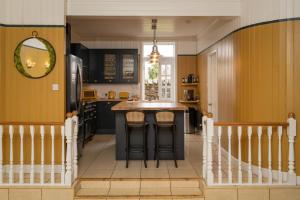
{"x": 111, "y": 94}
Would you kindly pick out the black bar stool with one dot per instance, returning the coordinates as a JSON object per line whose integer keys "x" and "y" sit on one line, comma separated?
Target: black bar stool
{"x": 137, "y": 120}
{"x": 165, "y": 119}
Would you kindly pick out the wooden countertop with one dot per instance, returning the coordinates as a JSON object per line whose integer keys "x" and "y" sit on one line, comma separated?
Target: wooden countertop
{"x": 103, "y": 99}
{"x": 145, "y": 105}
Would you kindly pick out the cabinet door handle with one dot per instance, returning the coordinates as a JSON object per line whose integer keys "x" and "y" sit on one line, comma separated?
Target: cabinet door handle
{"x": 108, "y": 103}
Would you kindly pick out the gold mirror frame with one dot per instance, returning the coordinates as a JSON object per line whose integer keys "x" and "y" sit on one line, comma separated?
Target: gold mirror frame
{"x": 18, "y": 59}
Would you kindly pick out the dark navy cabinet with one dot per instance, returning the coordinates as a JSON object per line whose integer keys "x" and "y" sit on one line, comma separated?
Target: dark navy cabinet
{"x": 113, "y": 66}
{"x": 106, "y": 117}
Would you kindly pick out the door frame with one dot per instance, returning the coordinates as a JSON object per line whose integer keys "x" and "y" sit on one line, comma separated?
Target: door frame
{"x": 212, "y": 83}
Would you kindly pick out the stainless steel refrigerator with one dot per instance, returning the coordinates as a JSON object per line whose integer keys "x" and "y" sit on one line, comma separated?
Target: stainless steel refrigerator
{"x": 73, "y": 95}
{"x": 74, "y": 83}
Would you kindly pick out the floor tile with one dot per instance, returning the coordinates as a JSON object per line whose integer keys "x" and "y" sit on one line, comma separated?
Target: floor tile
{"x": 154, "y": 173}
{"x": 155, "y": 191}
{"x": 126, "y": 173}
{"x": 93, "y": 192}
{"x": 97, "y": 173}
{"x": 186, "y": 191}
{"x": 124, "y": 191}
{"x": 182, "y": 173}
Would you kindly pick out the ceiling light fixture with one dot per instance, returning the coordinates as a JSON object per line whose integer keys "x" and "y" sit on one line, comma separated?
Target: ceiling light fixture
{"x": 154, "y": 56}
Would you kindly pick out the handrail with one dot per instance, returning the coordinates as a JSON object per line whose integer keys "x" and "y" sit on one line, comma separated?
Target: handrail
{"x": 32, "y": 123}
{"x": 68, "y": 115}
{"x": 284, "y": 124}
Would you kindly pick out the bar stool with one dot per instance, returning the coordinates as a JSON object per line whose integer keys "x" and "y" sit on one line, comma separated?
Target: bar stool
{"x": 165, "y": 119}
{"x": 136, "y": 120}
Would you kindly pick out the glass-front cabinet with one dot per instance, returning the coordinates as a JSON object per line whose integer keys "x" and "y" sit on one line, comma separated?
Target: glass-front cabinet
{"x": 113, "y": 66}
{"x": 110, "y": 68}
{"x": 128, "y": 73}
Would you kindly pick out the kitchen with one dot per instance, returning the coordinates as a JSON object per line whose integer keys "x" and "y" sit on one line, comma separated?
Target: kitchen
{"x": 116, "y": 68}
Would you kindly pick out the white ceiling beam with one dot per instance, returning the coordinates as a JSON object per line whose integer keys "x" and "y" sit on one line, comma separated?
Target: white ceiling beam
{"x": 153, "y": 8}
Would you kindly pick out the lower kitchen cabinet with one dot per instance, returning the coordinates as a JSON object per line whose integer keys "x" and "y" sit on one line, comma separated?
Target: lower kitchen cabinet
{"x": 106, "y": 117}
{"x": 89, "y": 121}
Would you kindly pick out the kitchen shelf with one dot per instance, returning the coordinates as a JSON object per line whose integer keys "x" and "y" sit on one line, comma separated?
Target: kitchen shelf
{"x": 189, "y": 84}
{"x": 183, "y": 101}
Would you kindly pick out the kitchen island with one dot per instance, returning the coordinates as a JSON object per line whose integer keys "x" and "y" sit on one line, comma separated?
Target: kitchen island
{"x": 165, "y": 137}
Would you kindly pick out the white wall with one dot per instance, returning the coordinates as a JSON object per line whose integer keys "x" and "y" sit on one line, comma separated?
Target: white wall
{"x": 252, "y": 11}
{"x": 154, "y": 8}
{"x": 32, "y": 12}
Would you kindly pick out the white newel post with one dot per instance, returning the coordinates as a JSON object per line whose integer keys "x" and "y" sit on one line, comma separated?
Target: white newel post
{"x": 210, "y": 134}
{"x": 68, "y": 133}
{"x": 75, "y": 162}
{"x": 204, "y": 151}
{"x": 291, "y": 131}
{"x": 1, "y": 154}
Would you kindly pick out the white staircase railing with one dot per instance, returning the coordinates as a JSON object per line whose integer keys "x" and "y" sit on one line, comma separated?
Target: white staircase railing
{"x": 16, "y": 137}
{"x": 220, "y": 167}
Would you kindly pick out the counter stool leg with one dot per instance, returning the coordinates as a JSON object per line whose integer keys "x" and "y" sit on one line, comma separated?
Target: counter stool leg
{"x": 127, "y": 145}
{"x": 174, "y": 145}
{"x": 157, "y": 147}
{"x": 144, "y": 145}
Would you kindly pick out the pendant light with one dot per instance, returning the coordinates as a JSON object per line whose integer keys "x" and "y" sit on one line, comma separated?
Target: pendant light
{"x": 154, "y": 56}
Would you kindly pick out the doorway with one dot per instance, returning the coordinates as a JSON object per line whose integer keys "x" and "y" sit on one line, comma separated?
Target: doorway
{"x": 212, "y": 84}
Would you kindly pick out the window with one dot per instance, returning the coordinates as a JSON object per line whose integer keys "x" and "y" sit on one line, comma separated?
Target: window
{"x": 159, "y": 79}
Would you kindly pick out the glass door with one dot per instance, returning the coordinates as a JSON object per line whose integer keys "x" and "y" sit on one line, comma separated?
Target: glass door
{"x": 128, "y": 71}
{"x": 166, "y": 82}
{"x": 110, "y": 68}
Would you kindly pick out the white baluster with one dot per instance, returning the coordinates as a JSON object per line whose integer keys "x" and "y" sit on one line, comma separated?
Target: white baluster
{"x": 42, "y": 173}
{"x": 240, "y": 174}
{"x": 210, "y": 134}
{"x": 75, "y": 151}
{"x": 204, "y": 152}
{"x": 11, "y": 155}
{"x": 62, "y": 177}
{"x": 270, "y": 178}
{"x": 32, "y": 155}
{"x": 279, "y": 129}
{"x": 259, "y": 134}
{"x": 291, "y": 131}
{"x": 68, "y": 133}
{"x": 1, "y": 154}
{"x": 52, "y": 155}
{"x": 229, "y": 132}
{"x": 249, "y": 131}
{"x": 21, "y": 173}
{"x": 219, "y": 155}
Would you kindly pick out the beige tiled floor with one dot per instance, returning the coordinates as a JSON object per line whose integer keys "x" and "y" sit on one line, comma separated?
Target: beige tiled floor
{"x": 98, "y": 161}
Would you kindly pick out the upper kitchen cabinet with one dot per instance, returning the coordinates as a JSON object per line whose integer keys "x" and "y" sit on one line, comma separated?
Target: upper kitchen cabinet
{"x": 129, "y": 66}
{"x": 110, "y": 67}
{"x": 82, "y": 52}
{"x": 96, "y": 61}
{"x": 113, "y": 66}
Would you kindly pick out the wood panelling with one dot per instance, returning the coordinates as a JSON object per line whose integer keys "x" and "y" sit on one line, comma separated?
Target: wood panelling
{"x": 27, "y": 99}
{"x": 186, "y": 64}
{"x": 31, "y": 100}
{"x": 257, "y": 80}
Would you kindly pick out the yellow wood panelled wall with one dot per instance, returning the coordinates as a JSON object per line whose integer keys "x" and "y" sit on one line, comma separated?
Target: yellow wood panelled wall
{"x": 31, "y": 100}
{"x": 258, "y": 80}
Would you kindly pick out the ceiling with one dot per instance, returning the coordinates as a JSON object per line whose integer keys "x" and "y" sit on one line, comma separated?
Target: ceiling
{"x": 120, "y": 28}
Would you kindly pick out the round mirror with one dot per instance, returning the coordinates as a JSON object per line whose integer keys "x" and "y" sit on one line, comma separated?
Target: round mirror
{"x": 34, "y": 57}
